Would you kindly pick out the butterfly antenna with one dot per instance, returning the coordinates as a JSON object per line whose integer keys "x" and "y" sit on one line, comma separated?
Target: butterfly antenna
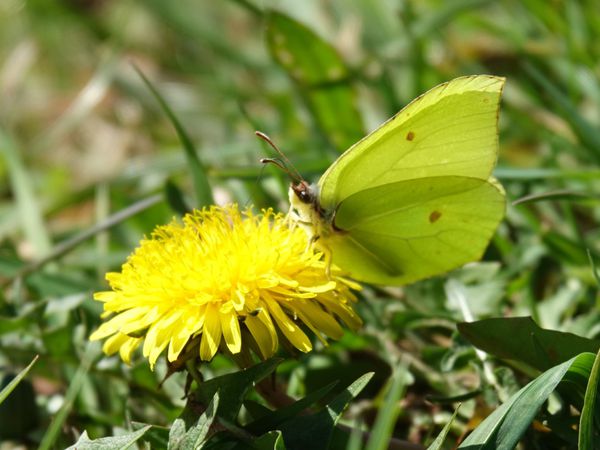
{"x": 275, "y": 162}
{"x": 286, "y": 165}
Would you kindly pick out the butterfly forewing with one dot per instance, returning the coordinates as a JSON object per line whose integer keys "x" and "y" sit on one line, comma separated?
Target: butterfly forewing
{"x": 449, "y": 131}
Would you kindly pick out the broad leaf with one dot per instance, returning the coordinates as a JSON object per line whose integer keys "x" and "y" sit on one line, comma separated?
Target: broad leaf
{"x": 185, "y": 437}
{"x": 502, "y": 429}
{"x": 520, "y": 338}
{"x": 273, "y": 440}
{"x": 589, "y": 432}
{"x": 122, "y": 442}
{"x": 233, "y": 387}
{"x": 274, "y": 418}
{"x": 314, "y": 431}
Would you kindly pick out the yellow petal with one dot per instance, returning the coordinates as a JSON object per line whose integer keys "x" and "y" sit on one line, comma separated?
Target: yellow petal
{"x": 264, "y": 336}
{"x": 115, "y": 324}
{"x": 290, "y": 330}
{"x": 319, "y": 319}
{"x": 292, "y": 293}
{"x": 155, "y": 342}
{"x": 330, "y": 286}
{"x": 343, "y": 311}
{"x": 189, "y": 327}
{"x": 128, "y": 347}
{"x": 211, "y": 333}
{"x": 231, "y": 331}
{"x": 105, "y": 296}
{"x": 113, "y": 343}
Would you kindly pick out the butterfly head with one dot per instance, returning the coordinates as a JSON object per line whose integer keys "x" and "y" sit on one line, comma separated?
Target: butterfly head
{"x": 304, "y": 192}
{"x": 304, "y": 201}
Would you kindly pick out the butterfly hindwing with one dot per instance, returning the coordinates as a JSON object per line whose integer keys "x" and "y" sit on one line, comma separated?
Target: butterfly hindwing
{"x": 405, "y": 231}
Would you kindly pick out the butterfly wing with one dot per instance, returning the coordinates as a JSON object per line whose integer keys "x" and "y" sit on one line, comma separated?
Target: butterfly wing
{"x": 450, "y": 130}
{"x": 405, "y": 231}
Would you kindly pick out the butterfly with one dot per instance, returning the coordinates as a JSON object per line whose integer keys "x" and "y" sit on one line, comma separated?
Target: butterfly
{"x": 415, "y": 198}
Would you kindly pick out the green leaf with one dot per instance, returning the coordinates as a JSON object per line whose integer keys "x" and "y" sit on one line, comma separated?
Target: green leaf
{"x": 122, "y": 442}
{"x": 175, "y": 198}
{"x": 10, "y": 324}
{"x": 565, "y": 249}
{"x": 273, "y": 440}
{"x": 320, "y": 74}
{"x": 314, "y": 431}
{"x": 274, "y": 418}
{"x": 388, "y": 413}
{"x": 520, "y": 338}
{"x": 16, "y": 380}
{"x": 256, "y": 410}
{"x": 502, "y": 429}
{"x": 201, "y": 186}
{"x": 233, "y": 387}
{"x": 18, "y": 409}
{"x": 184, "y": 436}
{"x": 225, "y": 440}
{"x": 438, "y": 443}
{"x": 156, "y": 437}
{"x": 589, "y": 432}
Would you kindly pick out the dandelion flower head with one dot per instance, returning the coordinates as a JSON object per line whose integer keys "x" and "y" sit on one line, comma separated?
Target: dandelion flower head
{"x": 227, "y": 279}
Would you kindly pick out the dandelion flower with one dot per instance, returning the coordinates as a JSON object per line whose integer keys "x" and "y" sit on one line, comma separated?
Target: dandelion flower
{"x": 228, "y": 279}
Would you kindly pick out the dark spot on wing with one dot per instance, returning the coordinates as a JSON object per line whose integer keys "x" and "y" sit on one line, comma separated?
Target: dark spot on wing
{"x": 410, "y": 136}
{"x": 434, "y": 216}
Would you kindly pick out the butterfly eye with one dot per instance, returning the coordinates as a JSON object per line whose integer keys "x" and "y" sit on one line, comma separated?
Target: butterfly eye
{"x": 303, "y": 192}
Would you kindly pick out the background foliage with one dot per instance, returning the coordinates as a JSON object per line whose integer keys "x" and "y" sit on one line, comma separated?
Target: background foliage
{"x": 82, "y": 137}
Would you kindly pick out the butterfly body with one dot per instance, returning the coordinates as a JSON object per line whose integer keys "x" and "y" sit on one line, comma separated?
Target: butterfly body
{"x": 414, "y": 198}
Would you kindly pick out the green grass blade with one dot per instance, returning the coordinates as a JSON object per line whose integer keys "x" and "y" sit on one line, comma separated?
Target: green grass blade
{"x": 386, "y": 418}
{"x": 21, "y": 184}
{"x": 438, "y": 443}
{"x": 53, "y": 431}
{"x": 321, "y": 76}
{"x": 510, "y": 173}
{"x": 589, "y": 433}
{"x": 595, "y": 271}
{"x": 68, "y": 245}
{"x": 202, "y": 187}
{"x": 13, "y": 384}
{"x": 355, "y": 439}
{"x": 562, "y": 194}
{"x": 587, "y": 132}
